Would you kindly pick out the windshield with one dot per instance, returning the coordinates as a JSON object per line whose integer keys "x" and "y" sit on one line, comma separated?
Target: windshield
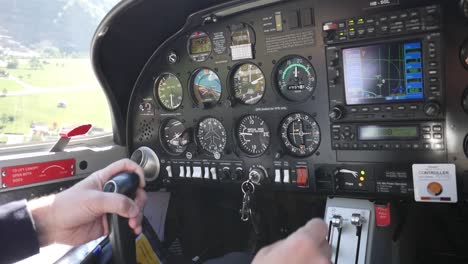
{"x": 47, "y": 84}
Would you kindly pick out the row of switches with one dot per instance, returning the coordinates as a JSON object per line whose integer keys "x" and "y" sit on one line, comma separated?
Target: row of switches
{"x": 194, "y": 172}
{"x": 285, "y": 179}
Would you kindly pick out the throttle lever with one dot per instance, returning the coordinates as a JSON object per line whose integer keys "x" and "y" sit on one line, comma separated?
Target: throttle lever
{"x": 121, "y": 236}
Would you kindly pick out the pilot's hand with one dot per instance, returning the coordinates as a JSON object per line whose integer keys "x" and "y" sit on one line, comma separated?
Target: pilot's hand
{"x": 307, "y": 245}
{"x": 78, "y": 215}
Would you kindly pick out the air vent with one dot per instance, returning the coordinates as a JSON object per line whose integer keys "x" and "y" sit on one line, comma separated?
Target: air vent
{"x": 146, "y": 130}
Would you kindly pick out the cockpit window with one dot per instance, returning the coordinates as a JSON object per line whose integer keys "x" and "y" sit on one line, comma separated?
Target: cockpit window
{"x": 47, "y": 84}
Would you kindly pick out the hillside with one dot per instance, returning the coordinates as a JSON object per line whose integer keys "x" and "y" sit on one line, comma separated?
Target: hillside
{"x": 66, "y": 24}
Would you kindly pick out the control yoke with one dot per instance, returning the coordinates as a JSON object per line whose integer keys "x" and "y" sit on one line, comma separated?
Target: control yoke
{"x": 121, "y": 236}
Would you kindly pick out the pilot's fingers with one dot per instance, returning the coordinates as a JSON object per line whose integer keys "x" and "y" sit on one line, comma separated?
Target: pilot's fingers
{"x": 103, "y": 203}
{"x": 136, "y": 223}
{"x": 317, "y": 229}
{"x": 124, "y": 165}
{"x": 141, "y": 198}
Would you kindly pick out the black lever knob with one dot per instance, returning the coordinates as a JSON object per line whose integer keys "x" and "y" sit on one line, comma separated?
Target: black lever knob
{"x": 121, "y": 236}
{"x": 432, "y": 109}
{"x": 336, "y": 113}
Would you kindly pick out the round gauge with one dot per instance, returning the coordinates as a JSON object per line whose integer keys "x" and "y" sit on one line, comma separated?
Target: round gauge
{"x": 169, "y": 91}
{"x": 206, "y": 87}
{"x": 300, "y": 134}
{"x": 295, "y": 78}
{"x": 199, "y": 46}
{"x": 173, "y": 138}
{"x": 211, "y": 135}
{"x": 464, "y": 54}
{"x": 248, "y": 82}
{"x": 253, "y": 135}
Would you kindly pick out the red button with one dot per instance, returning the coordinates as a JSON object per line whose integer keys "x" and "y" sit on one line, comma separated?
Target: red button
{"x": 302, "y": 177}
{"x": 382, "y": 215}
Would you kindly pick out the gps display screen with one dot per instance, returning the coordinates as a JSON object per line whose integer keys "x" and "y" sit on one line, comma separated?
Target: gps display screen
{"x": 383, "y": 73}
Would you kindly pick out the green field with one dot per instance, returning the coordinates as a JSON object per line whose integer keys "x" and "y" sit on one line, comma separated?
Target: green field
{"x": 55, "y": 72}
{"x": 88, "y": 106}
{"x": 9, "y": 85}
{"x": 18, "y": 113}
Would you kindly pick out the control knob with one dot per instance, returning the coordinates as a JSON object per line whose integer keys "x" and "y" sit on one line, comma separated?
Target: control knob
{"x": 226, "y": 173}
{"x": 256, "y": 175}
{"x": 432, "y": 109}
{"x": 336, "y": 113}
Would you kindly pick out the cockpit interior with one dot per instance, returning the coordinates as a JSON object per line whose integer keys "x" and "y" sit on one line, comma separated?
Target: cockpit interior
{"x": 251, "y": 117}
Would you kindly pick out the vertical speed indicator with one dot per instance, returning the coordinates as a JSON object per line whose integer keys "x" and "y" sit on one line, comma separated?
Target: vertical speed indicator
{"x": 295, "y": 78}
{"x": 253, "y": 134}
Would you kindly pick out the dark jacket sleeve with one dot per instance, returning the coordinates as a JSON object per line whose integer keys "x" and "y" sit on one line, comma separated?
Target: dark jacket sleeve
{"x": 18, "y": 238}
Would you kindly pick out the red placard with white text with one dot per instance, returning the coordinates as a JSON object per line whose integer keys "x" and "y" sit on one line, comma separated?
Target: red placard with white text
{"x": 38, "y": 172}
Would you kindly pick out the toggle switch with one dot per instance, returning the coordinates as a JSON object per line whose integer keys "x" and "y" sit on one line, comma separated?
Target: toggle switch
{"x": 302, "y": 177}
{"x": 188, "y": 172}
{"x": 169, "y": 171}
{"x": 286, "y": 178}
{"x": 213, "y": 174}
{"x": 277, "y": 175}
{"x": 197, "y": 172}
{"x": 206, "y": 175}
{"x": 181, "y": 171}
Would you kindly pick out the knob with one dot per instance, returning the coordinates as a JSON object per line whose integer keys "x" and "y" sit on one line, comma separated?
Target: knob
{"x": 256, "y": 175}
{"x": 333, "y": 62}
{"x": 432, "y": 109}
{"x": 238, "y": 174}
{"x": 336, "y": 113}
{"x": 226, "y": 173}
{"x": 149, "y": 161}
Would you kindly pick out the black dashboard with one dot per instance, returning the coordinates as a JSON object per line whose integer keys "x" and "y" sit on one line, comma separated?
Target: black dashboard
{"x": 323, "y": 97}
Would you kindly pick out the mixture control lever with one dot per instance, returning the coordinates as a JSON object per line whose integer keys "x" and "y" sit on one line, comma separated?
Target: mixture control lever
{"x": 121, "y": 236}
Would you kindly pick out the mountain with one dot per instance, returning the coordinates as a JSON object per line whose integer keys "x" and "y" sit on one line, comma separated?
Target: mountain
{"x": 65, "y": 24}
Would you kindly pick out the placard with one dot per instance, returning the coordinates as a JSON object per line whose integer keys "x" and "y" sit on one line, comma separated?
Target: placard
{"x": 435, "y": 183}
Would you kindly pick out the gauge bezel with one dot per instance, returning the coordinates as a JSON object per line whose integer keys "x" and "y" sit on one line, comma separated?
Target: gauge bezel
{"x": 161, "y": 141}
{"x": 238, "y": 140}
{"x": 156, "y": 91}
{"x": 230, "y": 82}
{"x": 192, "y": 91}
{"x": 281, "y": 137}
{"x": 197, "y": 130}
{"x": 249, "y": 28}
{"x": 274, "y": 80}
{"x": 205, "y": 55}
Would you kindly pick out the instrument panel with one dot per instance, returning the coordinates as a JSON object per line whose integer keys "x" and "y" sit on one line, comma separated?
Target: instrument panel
{"x": 309, "y": 95}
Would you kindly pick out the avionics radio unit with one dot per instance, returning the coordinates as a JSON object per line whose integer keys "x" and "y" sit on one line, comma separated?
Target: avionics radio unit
{"x": 393, "y": 78}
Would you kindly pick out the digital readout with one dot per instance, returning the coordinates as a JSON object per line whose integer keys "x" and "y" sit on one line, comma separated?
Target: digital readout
{"x": 388, "y": 132}
{"x": 200, "y": 45}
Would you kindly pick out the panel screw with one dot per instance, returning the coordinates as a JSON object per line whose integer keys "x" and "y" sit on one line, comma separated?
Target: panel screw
{"x": 4, "y": 174}
{"x": 4, "y": 185}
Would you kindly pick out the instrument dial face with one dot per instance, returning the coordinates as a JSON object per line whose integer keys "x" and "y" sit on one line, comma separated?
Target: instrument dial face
{"x": 295, "y": 78}
{"x": 199, "y": 46}
{"x": 248, "y": 82}
{"x": 206, "y": 87}
{"x": 253, "y": 134}
{"x": 169, "y": 91}
{"x": 300, "y": 134}
{"x": 211, "y": 135}
{"x": 173, "y": 138}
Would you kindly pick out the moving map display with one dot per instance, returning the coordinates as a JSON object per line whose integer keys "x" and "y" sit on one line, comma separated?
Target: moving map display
{"x": 383, "y": 73}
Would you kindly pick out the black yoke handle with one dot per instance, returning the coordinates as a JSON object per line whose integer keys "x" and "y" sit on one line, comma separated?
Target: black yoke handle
{"x": 121, "y": 236}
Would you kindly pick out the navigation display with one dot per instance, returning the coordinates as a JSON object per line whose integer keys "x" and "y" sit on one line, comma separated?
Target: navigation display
{"x": 383, "y": 73}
